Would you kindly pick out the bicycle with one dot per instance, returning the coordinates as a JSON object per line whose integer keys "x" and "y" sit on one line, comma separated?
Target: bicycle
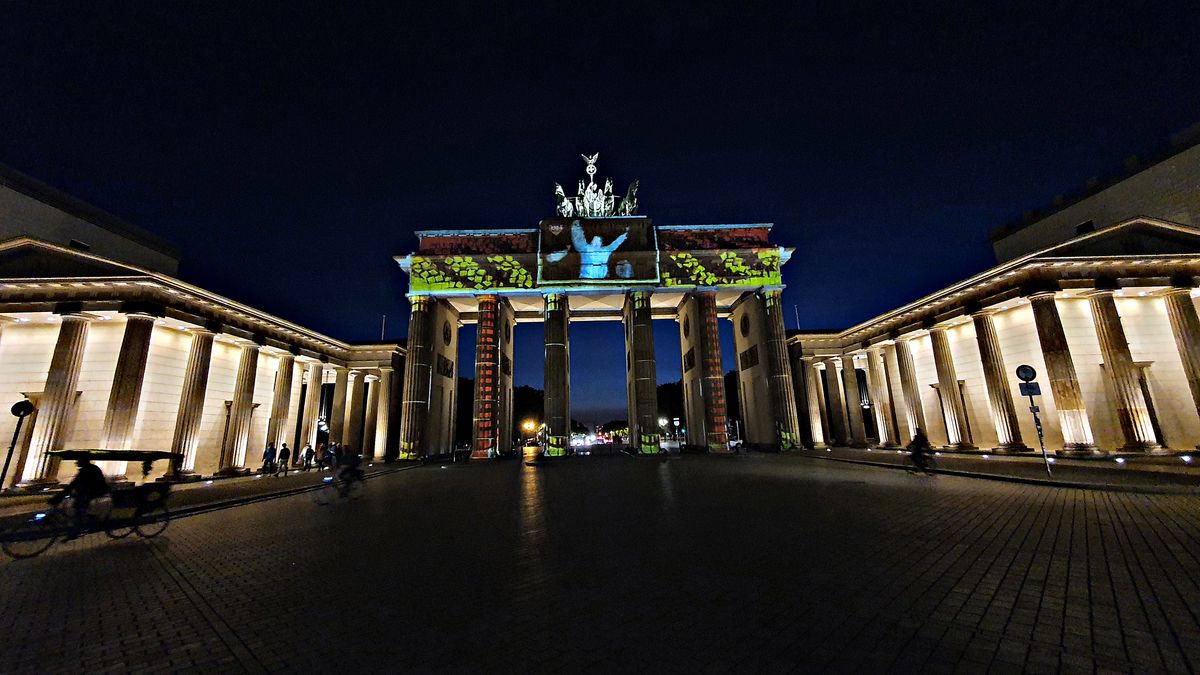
{"x": 337, "y": 488}
{"x": 142, "y": 509}
{"x": 915, "y": 468}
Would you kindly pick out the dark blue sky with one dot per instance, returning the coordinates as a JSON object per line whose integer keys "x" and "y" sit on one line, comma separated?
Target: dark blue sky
{"x": 292, "y": 148}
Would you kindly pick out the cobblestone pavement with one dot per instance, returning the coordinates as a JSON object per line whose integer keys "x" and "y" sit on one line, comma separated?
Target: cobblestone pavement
{"x": 1147, "y": 473}
{"x": 615, "y": 563}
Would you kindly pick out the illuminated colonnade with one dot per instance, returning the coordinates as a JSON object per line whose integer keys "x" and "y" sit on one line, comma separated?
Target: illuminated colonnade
{"x": 131, "y": 359}
{"x": 1114, "y": 340}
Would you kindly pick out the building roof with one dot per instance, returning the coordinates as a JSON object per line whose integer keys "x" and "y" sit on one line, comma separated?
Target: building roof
{"x": 35, "y": 189}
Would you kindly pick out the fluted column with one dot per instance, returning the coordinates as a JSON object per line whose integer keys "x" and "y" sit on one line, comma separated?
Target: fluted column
{"x": 812, "y": 390}
{"x": 952, "y": 405}
{"x": 277, "y": 423}
{"x": 1060, "y": 370}
{"x": 716, "y": 425}
{"x": 337, "y": 415}
{"x": 418, "y": 369}
{"x": 352, "y": 433}
{"x": 58, "y": 399}
{"x": 880, "y": 398}
{"x": 1000, "y": 401}
{"x": 858, "y": 431}
{"x": 1185, "y": 326}
{"x": 888, "y": 355}
{"x": 838, "y": 434}
{"x": 383, "y": 407}
{"x": 783, "y": 396}
{"x": 557, "y": 376}
{"x": 312, "y": 408}
{"x": 233, "y": 454}
{"x": 126, "y": 392}
{"x": 191, "y": 399}
{"x": 485, "y": 427}
{"x": 1132, "y": 412}
{"x": 914, "y": 412}
{"x": 372, "y": 411}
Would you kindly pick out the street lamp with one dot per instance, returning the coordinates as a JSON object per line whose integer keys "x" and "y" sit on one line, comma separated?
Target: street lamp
{"x": 529, "y": 426}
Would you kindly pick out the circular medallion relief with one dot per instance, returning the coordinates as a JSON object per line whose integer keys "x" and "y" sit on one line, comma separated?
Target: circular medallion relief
{"x": 687, "y": 327}
{"x": 446, "y": 334}
{"x": 507, "y": 331}
{"x": 744, "y": 325}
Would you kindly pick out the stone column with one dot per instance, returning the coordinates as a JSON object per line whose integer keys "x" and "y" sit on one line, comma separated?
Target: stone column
{"x": 191, "y": 399}
{"x": 58, "y": 400}
{"x": 1060, "y": 370}
{"x": 839, "y": 434}
{"x": 372, "y": 412}
{"x": 643, "y": 390}
{"x": 337, "y": 415}
{"x": 277, "y": 423}
{"x": 418, "y": 371}
{"x": 1132, "y": 412}
{"x": 557, "y": 375}
{"x": 233, "y": 455}
{"x": 914, "y": 412}
{"x": 1185, "y": 326}
{"x": 383, "y": 408}
{"x": 783, "y": 397}
{"x": 955, "y": 413}
{"x": 485, "y": 427}
{"x": 858, "y": 431}
{"x": 889, "y": 387}
{"x": 126, "y": 393}
{"x": 352, "y": 433}
{"x": 1000, "y": 401}
{"x": 712, "y": 385}
{"x": 311, "y": 410}
{"x": 812, "y": 388}
{"x": 880, "y": 398}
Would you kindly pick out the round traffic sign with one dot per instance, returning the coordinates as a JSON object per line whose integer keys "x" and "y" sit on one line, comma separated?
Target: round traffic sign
{"x": 22, "y": 408}
{"x": 1026, "y": 373}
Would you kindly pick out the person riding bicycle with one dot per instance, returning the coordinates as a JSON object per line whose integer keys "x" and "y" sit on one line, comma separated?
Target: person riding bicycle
{"x": 351, "y": 463}
{"x": 87, "y": 485}
{"x": 921, "y": 451}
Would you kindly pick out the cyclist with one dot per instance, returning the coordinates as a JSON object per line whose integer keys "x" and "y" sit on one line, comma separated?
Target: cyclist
{"x": 921, "y": 451}
{"x": 351, "y": 463}
{"x": 87, "y": 485}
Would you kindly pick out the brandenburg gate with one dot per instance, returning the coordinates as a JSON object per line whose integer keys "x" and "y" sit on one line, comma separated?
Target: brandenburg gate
{"x": 596, "y": 260}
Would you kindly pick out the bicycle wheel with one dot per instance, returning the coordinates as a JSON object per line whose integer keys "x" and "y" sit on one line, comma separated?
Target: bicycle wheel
{"x": 116, "y": 527}
{"x": 34, "y": 535}
{"x": 324, "y": 494}
{"x": 151, "y": 523}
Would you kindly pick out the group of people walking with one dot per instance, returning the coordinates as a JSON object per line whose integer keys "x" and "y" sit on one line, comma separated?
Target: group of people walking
{"x": 277, "y": 461}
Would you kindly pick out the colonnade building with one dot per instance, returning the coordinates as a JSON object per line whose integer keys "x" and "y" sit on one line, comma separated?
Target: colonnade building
{"x": 116, "y": 355}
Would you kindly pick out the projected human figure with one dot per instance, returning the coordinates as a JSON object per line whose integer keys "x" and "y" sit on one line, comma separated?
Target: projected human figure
{"x": 594, "y": 255}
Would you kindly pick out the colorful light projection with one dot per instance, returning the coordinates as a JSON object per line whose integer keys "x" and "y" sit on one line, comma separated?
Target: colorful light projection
{"x": 600, "y": 251}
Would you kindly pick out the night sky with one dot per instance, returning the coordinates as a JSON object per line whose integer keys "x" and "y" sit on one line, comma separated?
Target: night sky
{"x": 292, "y": 148}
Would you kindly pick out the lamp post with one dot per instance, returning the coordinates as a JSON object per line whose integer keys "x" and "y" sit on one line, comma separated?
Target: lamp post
{"x": 529, "y": 426}
{"x": 21, "y": 409}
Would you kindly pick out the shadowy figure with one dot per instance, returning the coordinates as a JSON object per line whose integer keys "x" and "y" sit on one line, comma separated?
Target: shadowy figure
{"x": 88, "y": 484}
{"x": 921, "y": 452}
{"x": 269, "y": 459}
{"x": 308, "y": 457}
{"x": 284, "y": 455}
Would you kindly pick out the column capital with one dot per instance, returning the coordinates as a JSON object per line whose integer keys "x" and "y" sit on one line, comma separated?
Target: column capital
{"x": 371, "y": 377}
{"x": 1177, "y": 290}
{"x": 385, "y": 369}
{"x": 1041, "y": 294}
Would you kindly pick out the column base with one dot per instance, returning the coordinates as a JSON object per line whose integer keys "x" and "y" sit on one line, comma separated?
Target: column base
{"x": 233, "y": 471}
{"x": 1080, "y": 450}
{"x": 890, "y": 445}
{"x": 859, "y": 445}
{"x": 960, "y": 447}
{"x": 179, "y": 477}
{"x": 39, "y": 484}
{"x": 1011, "y": 448}
{"x": 818, "y": 446}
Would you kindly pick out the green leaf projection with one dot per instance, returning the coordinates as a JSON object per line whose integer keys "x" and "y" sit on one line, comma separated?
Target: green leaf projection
{"x": 721, "y": 268}
{"x": 471, "y": 273}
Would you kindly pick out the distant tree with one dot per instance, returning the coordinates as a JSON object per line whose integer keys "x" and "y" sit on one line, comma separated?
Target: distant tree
{"x": 527, "y": 406}
{"x": 614, "y": 425}
{"x": 577, "y": 427}
{"x": 670, "y": 401}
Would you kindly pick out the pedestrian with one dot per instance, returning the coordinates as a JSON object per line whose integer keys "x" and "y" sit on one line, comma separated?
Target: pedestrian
{"x": 920, "y": 451}
{"x": 284, "y": 455}
{"x": 269, "y": 459}
{"x": 308, "y": 456}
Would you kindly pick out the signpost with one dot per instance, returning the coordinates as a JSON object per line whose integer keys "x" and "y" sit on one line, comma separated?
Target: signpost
{"x": 21, "y": 409}
{"x": 1030, "y": 389}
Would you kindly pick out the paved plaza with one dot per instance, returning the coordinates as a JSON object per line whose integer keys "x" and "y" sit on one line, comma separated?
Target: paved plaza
{"x": 614, "y": 563}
